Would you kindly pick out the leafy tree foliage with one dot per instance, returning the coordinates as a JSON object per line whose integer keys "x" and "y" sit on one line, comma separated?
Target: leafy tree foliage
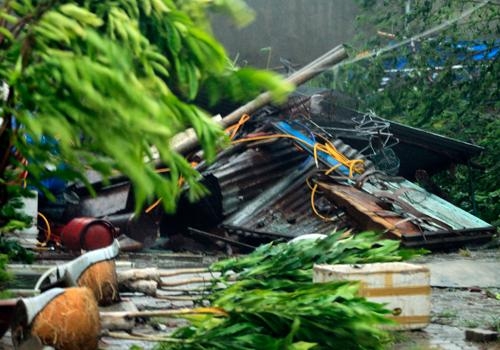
{"x": 93, "y": 84}
{"x": 444, "y": 86}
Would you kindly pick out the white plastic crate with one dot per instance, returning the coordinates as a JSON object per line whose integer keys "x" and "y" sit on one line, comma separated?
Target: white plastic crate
{"x": 404, "y": 288}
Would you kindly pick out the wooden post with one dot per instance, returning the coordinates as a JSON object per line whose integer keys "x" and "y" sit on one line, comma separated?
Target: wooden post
{"x": 188, "y": 141}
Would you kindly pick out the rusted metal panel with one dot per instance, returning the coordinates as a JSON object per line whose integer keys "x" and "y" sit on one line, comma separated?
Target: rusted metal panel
{"x": 253, "y": 171}
{"x": 369, "y": 211}
{"x": 413, "y": 226}
{"x": 429, "y": 204}
{"x": 286, "y": 210}
{"x": 414, "y": 212}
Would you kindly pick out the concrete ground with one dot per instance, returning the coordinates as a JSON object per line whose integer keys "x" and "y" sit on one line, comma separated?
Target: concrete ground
{"x": 465, "y": 287}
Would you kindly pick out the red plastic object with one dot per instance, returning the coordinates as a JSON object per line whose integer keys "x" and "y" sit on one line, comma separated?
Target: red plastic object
{"x": 87, "y": 234}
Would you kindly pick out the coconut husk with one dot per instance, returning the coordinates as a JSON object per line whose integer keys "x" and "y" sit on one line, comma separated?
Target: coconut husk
{"x": 102, "y": 280}
{"x": 70, "y": 321}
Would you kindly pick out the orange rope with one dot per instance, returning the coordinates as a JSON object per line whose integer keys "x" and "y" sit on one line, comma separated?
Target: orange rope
{"x": 162, "y": 170}
{"x": 233, "y": 129}
{"x": 180, "y": 183}
{"x": 152, "y": 206}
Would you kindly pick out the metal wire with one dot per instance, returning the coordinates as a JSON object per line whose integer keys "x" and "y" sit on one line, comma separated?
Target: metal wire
{"x": 376, "y": 131}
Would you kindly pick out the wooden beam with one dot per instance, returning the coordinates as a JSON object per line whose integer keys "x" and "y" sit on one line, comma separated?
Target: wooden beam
{"x": 364, "y": 208}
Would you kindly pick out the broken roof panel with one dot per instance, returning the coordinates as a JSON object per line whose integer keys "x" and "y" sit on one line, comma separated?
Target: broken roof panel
{"x": 415, "y": 148}
{"x": 266, "y": 189}
{"x": 412, "y": 203}
{"x": 254, "y": 170}
{"x": 285, "y": 210}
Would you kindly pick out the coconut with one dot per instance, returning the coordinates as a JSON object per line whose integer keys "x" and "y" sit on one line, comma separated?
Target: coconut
{"x": 102, "y": 280}
{"x": 66, "y": 319}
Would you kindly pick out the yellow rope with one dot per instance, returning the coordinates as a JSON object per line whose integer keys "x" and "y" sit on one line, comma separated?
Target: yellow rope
{"x": 47, "y": 224}
{"x": 354, "y": 165}
{"x": 313, "y": 192}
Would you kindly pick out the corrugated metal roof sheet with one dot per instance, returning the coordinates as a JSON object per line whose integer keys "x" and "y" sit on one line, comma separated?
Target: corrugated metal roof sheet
{"x": 286, "y": 210}
{"x": 254, "y": 170}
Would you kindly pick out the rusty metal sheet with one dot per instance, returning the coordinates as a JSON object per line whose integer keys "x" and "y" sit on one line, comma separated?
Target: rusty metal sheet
{"x": 253, "y": 171}
{"x": 285, "y": 210}
{"x": 429, "y": 204}
{"x": 369, "y": 211}
{"x": 413, "y": 227}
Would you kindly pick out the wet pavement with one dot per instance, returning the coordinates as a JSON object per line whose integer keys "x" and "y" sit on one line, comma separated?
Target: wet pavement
{"x": 464, "y": 295}
{"x": 459, "y": 301}
{"x": 440, "y": 337}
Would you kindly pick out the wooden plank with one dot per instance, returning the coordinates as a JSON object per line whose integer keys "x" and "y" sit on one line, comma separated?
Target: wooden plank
{"x": 366, "y": 210}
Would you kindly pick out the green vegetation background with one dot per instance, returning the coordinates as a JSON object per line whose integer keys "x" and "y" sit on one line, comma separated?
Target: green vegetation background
{"x": 460, "y": 103}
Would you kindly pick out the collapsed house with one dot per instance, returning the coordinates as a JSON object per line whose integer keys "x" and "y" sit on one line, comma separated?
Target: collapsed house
{"x": 310, "y": 167}
{"x": 276, "y": 183}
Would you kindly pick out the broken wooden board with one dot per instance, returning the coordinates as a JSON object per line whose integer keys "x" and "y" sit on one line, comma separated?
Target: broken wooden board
{"x": 443, "y": 224}
{"x": 368, "y": 211}
{"x": 439, "y": 223}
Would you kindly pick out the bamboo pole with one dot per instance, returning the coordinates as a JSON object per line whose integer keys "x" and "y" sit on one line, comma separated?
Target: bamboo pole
{"x": 112, "y": 320}
{"x": 152, "y": 273}
{"x": 152, "y": 338}
{"x": 186, "y": 142}
{"x": 179, "y": 297}
{"x": 317, "y": 66}
{"x": 120, "y": 315}
{"x": 185, "y": 271}
{"x": 197, "y": 280}
{"x": 148, "y": 287}
{"x": 185, "y": 282}
{"x": 188, "y": 291}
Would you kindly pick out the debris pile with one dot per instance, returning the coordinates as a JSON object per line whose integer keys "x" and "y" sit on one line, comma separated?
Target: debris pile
{"x": 313, "y": 165}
